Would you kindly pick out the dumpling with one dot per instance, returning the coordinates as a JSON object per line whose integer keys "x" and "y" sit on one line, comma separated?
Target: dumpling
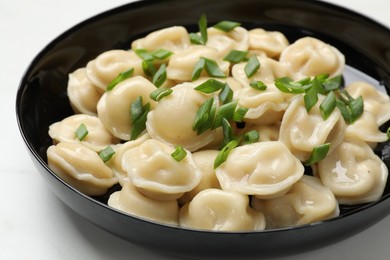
{"x": 114, "y": 108}
{"x": 266, "y": 132}
{"x": 366, "y": 129}
{"x": 267, "y": 73}
{"x": 172, "y": 119}
{"x": 264, "y": 106}
{"x": 205, "y": 161}
{"x": 218, "y": 210}
{"x": 172, "y": 38}
{"x": 375, "y": 101}
{"x": 82, "y": 94}
{"x": 81, "y": 168}
{"x": 309, "y": 57}
{"x": 156, "y": 174}
{"x": 224, "y": 42}
{"x": 108, "y": 65}
{"x": 263, "y": 169}
{"x": 302, "y": 131}
{"x": 306, "y": 202}
{"x": 354, "y": 173}
{"x": 182, "y": 63}
{"x": 131, "y": 201}
{"x": 115, "y": 162}
{"x": 98, "y": 136}
{"x": 270, "y": 42}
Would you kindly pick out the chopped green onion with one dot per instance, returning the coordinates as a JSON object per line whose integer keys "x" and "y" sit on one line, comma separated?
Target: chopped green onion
{"x": 344, "y": 110}
{"x": 159, "y": 93}
{"x": 81, "y": 132}
{"x": 328, "y": 105}
{"x": 287, "y": 85}
{"x": 121, "y": 77}
{"x": 251, "y": 137}
{"x": 160, "y": 76}
{"x": 225, "y": 111}
{"x": 198, "y": 68}
{"x": 226, "y": 94}
{"x": 310, "y": 98}
{"x": 251, "y": 66}
{"x": 213, "y": 69}
{"x": 318, "y": 153}
{"x": 227, "y": 132}
{"x": 148, "y": 68}
{"x": 210, "y": 86}
{"x": 204, "y": 117}
{"x": 239, "y": 114}
{"x": 106, "y": 153}
{"x": 179, "y": 153}
{"x": 139, "y": 114}
{"x": 357, "y": 107}
{"x": 333, "y": 83}
{"x": 322, "y": 77}
{"x": 236, "y": 56}
{"x": 144, "y": 54}
{"x": 161, "y": 54}
{"x": 202, "y": 38}
{"x": 258, "y": 85}
{"x": 224, "y": 153}
{"x": 226, "y": 26}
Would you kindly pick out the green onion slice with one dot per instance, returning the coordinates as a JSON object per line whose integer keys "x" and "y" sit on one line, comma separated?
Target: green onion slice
{"x": 213, "y": 69}
{"x": 198, "y": 68}
{"x": 160, "y": 76}
{"x": 226, "y": 111}
{"x": 318, "y": 153}
{"x": 159, "y": 93}
{"x": 223, "y": 154}
{"x": 144, "y": 54}
{"x": 106, "y": 153}
{"x": 179, "y": 153}
{"x": 333, "y": 83}
{"x": 210, "y": 86}
{"x": 328, "y": 105}
{"x": 251, "y": 137}
{"x": 226, "y": 26}
{"x": 227, "y": 132}
{"x": 258, "y": 85}
{"x": 251, "y": 66}
{"x": 121, "y": 77}
{"x": 148, "y": 68}
{"x": 81, "y": 132}
{"x": 287, "y": 85}
{"x": 239, "y": 114}
{"x": 204, "y": 117}
{"x": 310, "y": 98}
{"x": 357, "y": 107}
{"x": 236, "y": 56}
{"x": 139, "y": 114}
{"x": 344, "y": 111}
{"x": 161, "y": 54}
{"x": 226, "y": 94}
{"x": 202, "y": 38}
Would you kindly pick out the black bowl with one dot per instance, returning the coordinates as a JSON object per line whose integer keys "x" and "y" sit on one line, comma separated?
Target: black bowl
{"x": 42, "y": 100}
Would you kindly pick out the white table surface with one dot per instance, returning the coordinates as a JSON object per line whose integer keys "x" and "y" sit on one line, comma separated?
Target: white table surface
{"x": 34, "y": 223}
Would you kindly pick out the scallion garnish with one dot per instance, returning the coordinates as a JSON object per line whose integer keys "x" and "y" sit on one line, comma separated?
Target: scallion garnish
{"x": 226, "y": 94}
{"x": 213, "y": 69}
{"x": 210, "y": 86}
{"x": 258, "y": 85}
{"x": 226, "y": 26}
{"x": 328, "y": 105}
{"x": 179, "y": 153}
{"x": 287, "y": 85}
{"x": 223, "y": 154}
{"x": 159, "y": 93}
{"x": 227, "y": 132}
{"x": 121, "y": 77}
{"x": 318, "y": 153}
{"x": 161, "y": 54}
{"x": 106, "y": 153}
{"x": 144, "y": 54}
{"x": 333, "y": 83}
{"x": 202, "y": 38}
{"x": 198, "y": 68}
{"x": 251, "y": 137}
{"x": 160, "y": 76}
{"x": 81, "y": 132}
{"x": 236, "y": 56}
{"x": 226, "y": 111}
{"x": 357, "y": 107}
{"x": 344, "y": 110}
{"x": 204, "y": 117}
{"x": 251, "y": 66}
{"x": 310, "y": 98}
{"x": 148, "y": 68}
{"x": 139, "y": 114}
{"x": 239, "y": 114}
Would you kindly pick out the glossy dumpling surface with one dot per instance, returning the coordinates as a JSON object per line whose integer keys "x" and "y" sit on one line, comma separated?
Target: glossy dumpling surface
{"x": 224, "y": 42}
{"x": 218, "y": 210}
{"x": 272, "y": 43}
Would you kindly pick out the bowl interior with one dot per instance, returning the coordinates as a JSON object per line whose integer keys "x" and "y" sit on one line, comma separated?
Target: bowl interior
{"x": 42, "y": 100}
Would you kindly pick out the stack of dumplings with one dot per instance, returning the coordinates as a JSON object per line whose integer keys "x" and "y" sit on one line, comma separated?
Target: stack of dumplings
{"x": 247, "y": 173}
